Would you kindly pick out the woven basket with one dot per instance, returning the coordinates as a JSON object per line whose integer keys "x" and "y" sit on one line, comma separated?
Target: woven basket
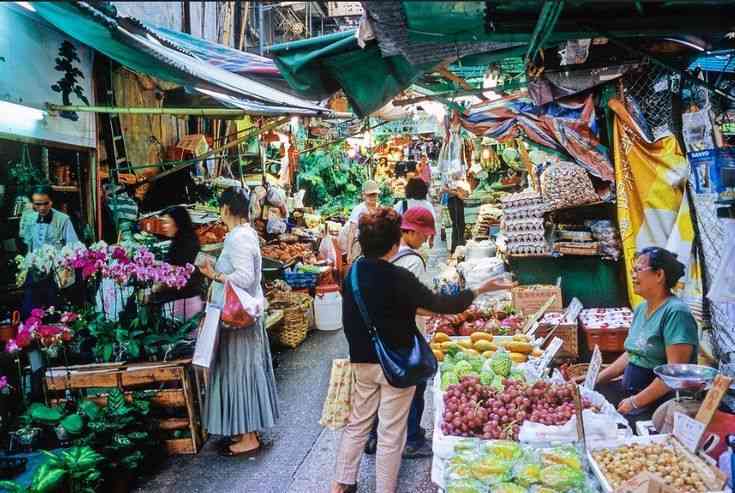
{"x": 297, "y": 309}
{"x": 580, "y": 370}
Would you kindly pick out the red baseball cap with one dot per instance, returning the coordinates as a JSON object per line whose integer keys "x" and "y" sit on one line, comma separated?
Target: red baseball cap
{"x": 418, "y": 219}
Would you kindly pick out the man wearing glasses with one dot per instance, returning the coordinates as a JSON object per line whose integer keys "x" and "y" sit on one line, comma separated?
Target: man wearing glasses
{"x": 43, "y": 226}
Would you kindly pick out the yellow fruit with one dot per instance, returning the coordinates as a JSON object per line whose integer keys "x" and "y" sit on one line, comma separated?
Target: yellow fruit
{"x": 435, "y": 345}
{"x": 536, "y": 353}
{"x": 488, "y": 354}
{"x": 465, "y": 343}
{"x": 520, "y": 347}
{"x": 481, "y": 336}
{"x": 518, "y": 357}
{"x": 446, "y": 345}
{"x": 471, "y": 351}
{"x": 439, "y": 355}
{"x": 440, "y": 337}
{"x": 502, "y": 344}
{"x": 483, "y": 345}
{"x": 521, "y": 338}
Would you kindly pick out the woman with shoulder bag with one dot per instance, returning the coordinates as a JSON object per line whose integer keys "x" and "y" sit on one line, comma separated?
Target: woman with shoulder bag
{"x": 379, "y": 307}
{"x": 241, "y": 396}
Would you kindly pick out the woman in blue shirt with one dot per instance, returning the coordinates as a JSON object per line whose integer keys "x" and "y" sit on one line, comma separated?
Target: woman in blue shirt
{"x": 663, "y": 331}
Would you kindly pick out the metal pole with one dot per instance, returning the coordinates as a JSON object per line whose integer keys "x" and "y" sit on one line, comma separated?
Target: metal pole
{"x": 261, "y": 33}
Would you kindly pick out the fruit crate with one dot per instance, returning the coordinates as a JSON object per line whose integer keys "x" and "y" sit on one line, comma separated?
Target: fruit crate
{"x": 610, "y": 340}
{"x": 568, "y": 333}
{"x": 172, "y": 383}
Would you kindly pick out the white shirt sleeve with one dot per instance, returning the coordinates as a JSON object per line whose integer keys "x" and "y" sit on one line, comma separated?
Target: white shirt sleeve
{"x": 242, "y": 252}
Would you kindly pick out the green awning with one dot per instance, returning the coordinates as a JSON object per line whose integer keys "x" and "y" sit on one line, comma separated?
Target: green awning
{"x": 129, "y": 43}
{"x": 319, "y": 67}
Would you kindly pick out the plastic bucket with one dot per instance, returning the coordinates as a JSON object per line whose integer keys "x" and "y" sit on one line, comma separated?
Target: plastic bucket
{"x": 328, "y": 309}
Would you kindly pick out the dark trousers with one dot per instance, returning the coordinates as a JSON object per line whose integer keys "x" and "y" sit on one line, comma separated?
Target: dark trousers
{"x": 455, "y": 205}
{"x": 635, "y": 379}
{"x": 42, "y": 293}
{"x": 415, "y": 436}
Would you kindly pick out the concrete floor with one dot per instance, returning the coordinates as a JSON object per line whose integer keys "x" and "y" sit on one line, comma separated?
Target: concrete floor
{"x": 301, "y": 459}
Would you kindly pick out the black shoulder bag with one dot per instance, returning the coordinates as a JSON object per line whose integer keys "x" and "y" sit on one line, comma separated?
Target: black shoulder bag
{"x": 402, "y": 368}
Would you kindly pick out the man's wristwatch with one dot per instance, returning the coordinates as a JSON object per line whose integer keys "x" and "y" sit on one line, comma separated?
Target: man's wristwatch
{"x": 632, "y": 402}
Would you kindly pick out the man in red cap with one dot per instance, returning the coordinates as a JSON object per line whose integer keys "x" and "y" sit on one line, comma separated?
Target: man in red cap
{"x": 417, "y": 226}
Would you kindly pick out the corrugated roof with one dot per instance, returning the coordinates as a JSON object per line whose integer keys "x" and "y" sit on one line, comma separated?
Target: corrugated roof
{"x": 388, "y": 21}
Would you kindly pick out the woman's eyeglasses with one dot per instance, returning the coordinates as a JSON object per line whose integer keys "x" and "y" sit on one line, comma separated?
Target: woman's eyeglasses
{"x": 638, "y": 270}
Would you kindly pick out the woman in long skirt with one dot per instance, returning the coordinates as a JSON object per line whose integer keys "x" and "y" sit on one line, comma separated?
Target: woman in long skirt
{"x": 241, "y": 396}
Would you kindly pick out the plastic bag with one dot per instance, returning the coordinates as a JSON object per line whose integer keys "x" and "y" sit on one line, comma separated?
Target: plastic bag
{"x": 478, "y": 271}
{"x": 565, "y": 184}
{"x": 327, "y": 250}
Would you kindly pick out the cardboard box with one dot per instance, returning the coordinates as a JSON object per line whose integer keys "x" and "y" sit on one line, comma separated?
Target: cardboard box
{"x": 528, "y": 299}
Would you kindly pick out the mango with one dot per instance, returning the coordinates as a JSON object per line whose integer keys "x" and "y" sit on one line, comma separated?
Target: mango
{"x": 440, "y": 337}
{"x": 446, "y": 345}
{"x": 435, "y": 345}
{"x": 521, "y": 338}
{"x": 536, "y": 353}
{"x": 483, "y": 345}
{"x": 481, "y": 336}
{"x": 488, "y": 354}
{"x": 518, "y": 357}
{"x": 465, "y": 343}
{"x": 471, "y": 351}
{"x": 439, "y": 355}
{"x": 520, "y": 347}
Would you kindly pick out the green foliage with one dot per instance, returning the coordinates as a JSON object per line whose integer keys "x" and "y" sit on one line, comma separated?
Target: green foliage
{"x": 122, "y": 432}
{"x": 333, "y": 182}
{"x": 73, "y": 470}
{"x": 38, "y": 414}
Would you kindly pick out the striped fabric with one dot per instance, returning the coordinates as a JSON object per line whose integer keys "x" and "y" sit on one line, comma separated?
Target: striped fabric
{"x": 123, "y": 208}
{"x": 568, "y": 128}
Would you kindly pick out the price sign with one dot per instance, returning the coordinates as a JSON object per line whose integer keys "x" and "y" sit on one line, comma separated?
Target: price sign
{"x": 531, "y": 324}
{"x": 578, "y": 412}
{"x": 688, "y": 431}
{"x": 594, "y": 370}
{"x": 553, "y": 348}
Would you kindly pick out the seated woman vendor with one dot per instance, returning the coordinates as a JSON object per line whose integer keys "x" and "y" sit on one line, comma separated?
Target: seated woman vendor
{"x": 663, "y": 331}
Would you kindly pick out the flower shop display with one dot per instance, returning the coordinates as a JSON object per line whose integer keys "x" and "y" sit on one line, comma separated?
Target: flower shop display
{"x": 48, "y": 329}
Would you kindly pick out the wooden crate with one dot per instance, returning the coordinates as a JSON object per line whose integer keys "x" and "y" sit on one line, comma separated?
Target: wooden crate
{"x": 569, "y": 333}
{"x": 173, "y": 383}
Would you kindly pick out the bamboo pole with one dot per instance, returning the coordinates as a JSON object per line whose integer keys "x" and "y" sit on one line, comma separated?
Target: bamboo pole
{"x": 204, "y": 112}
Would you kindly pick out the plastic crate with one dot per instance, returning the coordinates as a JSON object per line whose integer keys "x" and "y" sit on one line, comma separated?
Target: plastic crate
{"x": 609, "y": 340}
{"x": 301, "y": 279}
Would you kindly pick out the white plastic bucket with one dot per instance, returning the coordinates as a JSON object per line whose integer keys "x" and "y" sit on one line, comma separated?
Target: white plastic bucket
{"x": 328, "y": 311}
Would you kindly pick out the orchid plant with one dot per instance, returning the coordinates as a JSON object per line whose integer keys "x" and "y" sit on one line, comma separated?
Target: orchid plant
{"x": 39, "y": 263}
{"x": 49, "y": 328}
{"x": 125, "y": 263}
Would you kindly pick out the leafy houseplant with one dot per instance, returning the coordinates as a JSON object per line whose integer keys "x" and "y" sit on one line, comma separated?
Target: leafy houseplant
{"x": 122, "y": 432}
{"x": 73, "y": 470}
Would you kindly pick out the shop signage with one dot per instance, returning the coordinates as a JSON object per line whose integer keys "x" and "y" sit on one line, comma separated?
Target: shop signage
{"x": 421, "y": 124}
{"x": 344, "y": 9}
{"x": 39, "y": 65}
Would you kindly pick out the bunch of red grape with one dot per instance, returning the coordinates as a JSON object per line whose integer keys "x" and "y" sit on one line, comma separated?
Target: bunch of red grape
{"x": 473, "y": 409}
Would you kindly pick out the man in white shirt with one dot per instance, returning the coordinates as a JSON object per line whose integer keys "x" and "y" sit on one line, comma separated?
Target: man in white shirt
{"x": 417, "y": 225}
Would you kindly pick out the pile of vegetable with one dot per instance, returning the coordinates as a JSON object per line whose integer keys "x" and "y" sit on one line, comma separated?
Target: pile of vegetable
{"x": 474, "y": 408}
{"x": 333, "y": 182}
{"x": 286, "y": 252}
{"x": 502, "y": 466}
{"x": 474, "y": 319}
{"x": 621, "y": 464}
